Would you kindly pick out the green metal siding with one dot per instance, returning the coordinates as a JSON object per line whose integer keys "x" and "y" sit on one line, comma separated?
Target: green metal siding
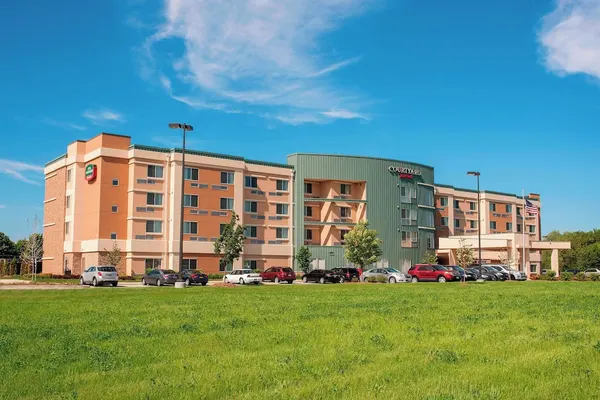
{"x": 383, "y": 201}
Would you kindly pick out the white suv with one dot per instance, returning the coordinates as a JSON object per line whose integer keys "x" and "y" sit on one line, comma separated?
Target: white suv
{"x": 99, "y": 275}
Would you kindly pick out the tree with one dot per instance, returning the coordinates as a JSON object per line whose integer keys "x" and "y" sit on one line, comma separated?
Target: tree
{"x": 32, "y": 251}
{"x": 112, "y": 257}
{"x": 429, "y": 258}
{"x": 362, "y": 247}
{"x": 589, "y": 256}
{"x": 7, "y": 247}
{"x": 230, "y": 244}
{"x": 304, "y": 259}
{"x": 464, "y": 254}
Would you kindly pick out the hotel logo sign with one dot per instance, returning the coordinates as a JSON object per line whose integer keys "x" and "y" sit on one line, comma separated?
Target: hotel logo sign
{"x": 404, "y": 172}
{"x": 91, "y": 172}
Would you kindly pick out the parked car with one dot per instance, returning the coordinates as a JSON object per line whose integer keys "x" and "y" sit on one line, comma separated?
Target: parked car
{"x": 195, "y": 276}
{"x": 591, "y": 271}
{"x": 573, "y": 271}
{"x": 391, "y": 275}
{"x": 494, "y": 273}
{"x": 461, "y": 272}
{"x": 509, "y": 272}
{"x": 350, "y": 274}
{"x": 160, "y": 277}
{"x": 99, "y": 275}
{"x": 475, "y": 272}
{"x": 278, "y": 274}
{"x": 498, "y": 268}
{"x": 242, "y": 276}
{"x": 431, "y": 272}
{"x": 322, "y": 276}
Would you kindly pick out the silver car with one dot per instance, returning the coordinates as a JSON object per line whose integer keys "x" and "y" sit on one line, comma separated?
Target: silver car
{"x": 99, "y": 275}
{"x": 390, "y": 275}
{"x": 591, "y": 271}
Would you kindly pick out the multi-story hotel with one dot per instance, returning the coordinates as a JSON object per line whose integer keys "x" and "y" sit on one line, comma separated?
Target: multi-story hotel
{"x": 106, "y": 190}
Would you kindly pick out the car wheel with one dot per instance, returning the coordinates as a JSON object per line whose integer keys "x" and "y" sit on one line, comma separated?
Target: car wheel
{"x": 342, "y": 280}
{"x": 322, "y": 281}
{"x": 365, "y": 279}
{"x": 158, "y": 282}
{"x": 94, "y": 282}
{"x": 414, "y": 279}
{"x": 290, "y": 282}
{"x": 276, "y": 280}
{"x": 203, "y": 283}
{"x": 187, "y": 282}
{"x": 241, "y": 282}
{"x": 392, "y": 280}
{"x": 144, "y": 281}
{"x": 304, "y": 279}
{"x": 81, "y": 282}
{"x": 115, "y": 284}
{"x": 441, "y": 279}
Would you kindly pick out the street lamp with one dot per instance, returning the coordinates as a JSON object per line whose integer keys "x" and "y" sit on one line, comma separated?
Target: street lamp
{"x": 477, "y": 174}
{"x": 184, "y": 128}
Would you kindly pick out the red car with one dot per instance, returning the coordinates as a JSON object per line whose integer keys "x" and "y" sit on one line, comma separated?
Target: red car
{"x": 429, "y": 272}
{"x": 278, "y": 274}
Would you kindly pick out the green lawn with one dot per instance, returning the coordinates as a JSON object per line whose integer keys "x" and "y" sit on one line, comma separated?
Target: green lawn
{"x": 517, "y": 340}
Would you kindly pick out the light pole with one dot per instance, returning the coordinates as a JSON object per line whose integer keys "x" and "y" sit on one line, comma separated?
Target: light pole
{"x": 184, "y": 128}
{"x": 477, "y": 174}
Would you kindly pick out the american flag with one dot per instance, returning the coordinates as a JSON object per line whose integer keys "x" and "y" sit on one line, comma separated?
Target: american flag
{"x": 530, "y": 208}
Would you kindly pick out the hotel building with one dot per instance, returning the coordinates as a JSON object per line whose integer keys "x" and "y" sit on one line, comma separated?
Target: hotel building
{"x": 106, "y": 190}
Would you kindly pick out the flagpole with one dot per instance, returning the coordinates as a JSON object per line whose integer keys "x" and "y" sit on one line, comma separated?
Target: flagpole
{"x": 523, "y": 230}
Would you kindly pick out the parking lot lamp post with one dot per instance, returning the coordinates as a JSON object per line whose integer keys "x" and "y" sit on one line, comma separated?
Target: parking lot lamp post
{"x": 477, "y": 174}
{"x": 184, "y": 128}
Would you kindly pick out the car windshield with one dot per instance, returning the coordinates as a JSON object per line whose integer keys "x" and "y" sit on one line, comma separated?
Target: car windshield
{"x": 107, "y": 269}
{"x": 439, "y": 268}
{"x": 392, "y": 271}
{"x": 288, "y": 270}
{"x": 169, "y": 271}
{"x": 247, "y": 271}
{"x": 496, "y": 268}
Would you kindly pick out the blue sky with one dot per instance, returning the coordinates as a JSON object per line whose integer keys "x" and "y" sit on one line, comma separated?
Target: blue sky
{"x": 510, "y": 88}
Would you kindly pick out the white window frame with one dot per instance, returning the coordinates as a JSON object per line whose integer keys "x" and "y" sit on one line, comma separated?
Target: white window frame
{"x": 156, "y": 168}
{"x": 283, "y": 182}
{"x": 189, "y": 260}
{"x": 230, "y": 177}
{"x": 442, "y": 221}
{"x": 154, "y": 222}
{"x": 115, "y": 182}
{"x": 343, "y": 210}
{"x": 249, "y": 235}
{"x": 226, "y": 208}
{"x": 306, "y": 208}
{"x": 509, "y": 226}
{"x": 250, "y": 202}
{"x": 191, "y": 202}
{"x": 114, "y": 208}
{"x": 191, "y": 178}
{"x": 154, "y": 197}
{"x": 306, "y": 231}
{"x": 306, "y": 185}
{"x": 189, "y": 225}
{"x": 287, "y": 208}
{"x": 251, "y": 178}
{"x": 279, "y": 233}
{"x": 444, "y": 201}
{"x": 495, "y": 225}
{"x": 346, "y": 188}
{"x": 113, "y": 234}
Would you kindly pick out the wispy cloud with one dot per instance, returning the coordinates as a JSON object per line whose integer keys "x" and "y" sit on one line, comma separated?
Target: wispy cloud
{"x": 98, "y": 117}
{"x": 2, "y": 206}
{"x": 64, "y": 125}
{"x": 570, "y": 38}
{"x": 260, "y": 56}
{"x": 21, "y": 171}
{"x": 344, "y": 114}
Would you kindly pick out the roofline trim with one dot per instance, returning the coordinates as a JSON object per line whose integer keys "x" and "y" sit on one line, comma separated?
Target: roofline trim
{"x": 363, "y": 157}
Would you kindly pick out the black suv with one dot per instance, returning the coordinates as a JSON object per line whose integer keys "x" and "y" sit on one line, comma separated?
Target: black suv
{"x": 349, "y": 274}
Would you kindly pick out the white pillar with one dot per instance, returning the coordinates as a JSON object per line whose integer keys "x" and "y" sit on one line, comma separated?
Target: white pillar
{"x": 554, "y": 261}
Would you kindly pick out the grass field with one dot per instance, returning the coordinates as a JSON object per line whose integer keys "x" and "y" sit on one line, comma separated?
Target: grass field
{"x": 518, "y": 340}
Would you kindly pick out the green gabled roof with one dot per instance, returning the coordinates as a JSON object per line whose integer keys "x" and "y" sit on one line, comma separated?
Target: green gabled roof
{"x": 364, "y": 157}
{"x": 208, "y": 154}
{"x": 56, "y": 159}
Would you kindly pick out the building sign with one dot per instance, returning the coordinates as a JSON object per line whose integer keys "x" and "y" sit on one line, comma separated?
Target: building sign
{"x": 91, "y": 172}
{"x": 404, "y": 172}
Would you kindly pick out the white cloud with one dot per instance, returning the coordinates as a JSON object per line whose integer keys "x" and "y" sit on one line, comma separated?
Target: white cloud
{"x": 98, "y": 117}
{"x": 262, "y": 55}
{"x": 21, "y": 171}
{"x": 64, "y": 125}
{"x": 2, "y": 206}
{"x": 343, "y": 114}
{"x": 570, "y": 38}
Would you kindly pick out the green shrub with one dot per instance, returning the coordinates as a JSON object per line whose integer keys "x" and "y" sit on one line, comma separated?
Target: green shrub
{"x": 580, "y": 276}
{"x": 551, "y": 275}
{"x": 596, "y": 277}
{"x": 566, "y": 276}
{"x": 377, "y": 279}
{"x": 216, "y": 276}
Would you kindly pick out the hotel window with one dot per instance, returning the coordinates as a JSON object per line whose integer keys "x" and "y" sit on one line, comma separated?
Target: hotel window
{"x": 493, "y": 207}
{"x": 410, "y": 236}
{"x": 430, "y": 243}
{"x": 154, "y": 199}
{"x": 227, "y": 178}
{"x": 282, "y": 185}
{"x": 519, "y": 227}
{"x": 69, "y": 171}
{"x": 492, "y": 224}
{"x": 281, "y": 209}
{"x": 115, "y": 209}
{"x": 251, "y": 182}
{"x": 67, "y": 226}
{"x": 226, "y": 203}
{"x": 531, "y": 228}
{"x": 308, "y": 211}
{"x": 407, "y": 194}
{"x": 509, "y": 226}
{"x": 250, "y": 264}
{"x": 457, "y": 223}
{"x": 509, "y": 208}
{"x": 472, "y": 206}
{"x": 190, "y": 228}
{"x": 155, "y": 171}
{"x": 428, "y": 219}
{"x": 345, "y": 212}
{"x": 190, "y": 263}
{"x": 308, "y": 188}
{"x": 250, "y": 231}
{"x": 222, "y": 228}
{"x": 115, "y": 182}
{"x": 113, "y": 236}
{"x": 308, "y": 234}
{"x": 428, "y": 197}
{"x": 68, "y": 201}
{"x": 519, "y": 211}
{"x": 191, "y": 174}
{"x": 444, "y": 221}
{"x": 281, "y": 233}
{"x": 473, "y": 224}
{"x": 153, "y": 226}
{"x": 457, "y": 204}
{"x": 152, "y": 263}
{"x": 533, "y": 268}
{"x": 343, "y": 233}
{"x": 250, "y": 206}
{"x": 345, "y": 188}
{"x": 190, "y": 200}
{"x": 443, "y": 202}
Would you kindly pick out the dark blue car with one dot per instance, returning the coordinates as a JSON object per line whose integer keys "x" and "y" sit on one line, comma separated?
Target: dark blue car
{"x": 192, "y": 276}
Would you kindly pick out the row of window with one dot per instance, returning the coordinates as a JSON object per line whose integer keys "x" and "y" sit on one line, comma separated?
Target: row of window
{"x": 252, "y": 207}
{"x": 444, "y": 203}
{"x": 344, "y": 212}
{"x": 345, "y": 188}
{"x": 280, "y": 233}
{"x": 308, "y": 234}
{"x": 493, "y": 225}
{"x": 411, "y": 239}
